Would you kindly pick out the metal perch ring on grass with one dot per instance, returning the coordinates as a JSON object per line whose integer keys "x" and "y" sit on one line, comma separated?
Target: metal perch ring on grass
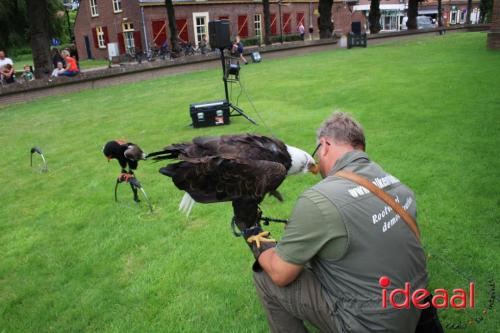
{"x": 38, "y": 150}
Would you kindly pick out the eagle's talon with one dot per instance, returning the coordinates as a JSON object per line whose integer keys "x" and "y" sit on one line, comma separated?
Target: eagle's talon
{"x": 261, "y": 238}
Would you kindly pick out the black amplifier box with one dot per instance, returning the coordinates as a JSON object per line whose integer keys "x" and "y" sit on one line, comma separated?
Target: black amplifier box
{"x": 209, "y": 113}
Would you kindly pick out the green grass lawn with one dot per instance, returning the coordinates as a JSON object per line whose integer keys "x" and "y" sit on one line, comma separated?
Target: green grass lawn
{"x": 73, "y": 260}
{"x": 89, "y": 63}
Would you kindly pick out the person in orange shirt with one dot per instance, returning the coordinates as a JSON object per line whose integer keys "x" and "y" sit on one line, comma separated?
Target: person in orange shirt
{"x": 71, "y": 67}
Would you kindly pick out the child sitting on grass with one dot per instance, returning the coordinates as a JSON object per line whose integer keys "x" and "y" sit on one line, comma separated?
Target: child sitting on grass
{"x": 28, "y": 74}
{"x": 58, "y": 70}
{"x": 8, "y": 74}
{"x": 71, "y": 66}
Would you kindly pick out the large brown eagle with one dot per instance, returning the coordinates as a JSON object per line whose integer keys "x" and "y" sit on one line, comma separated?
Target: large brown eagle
{"x": 238, "y": 168}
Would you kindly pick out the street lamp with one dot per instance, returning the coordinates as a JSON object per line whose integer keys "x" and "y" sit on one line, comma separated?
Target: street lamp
{"x": 70, "y": 32}
{"x": 281, "y": 23}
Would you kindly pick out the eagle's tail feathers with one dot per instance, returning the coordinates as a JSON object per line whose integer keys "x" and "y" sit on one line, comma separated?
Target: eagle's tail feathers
{"x": 161, "y": 155}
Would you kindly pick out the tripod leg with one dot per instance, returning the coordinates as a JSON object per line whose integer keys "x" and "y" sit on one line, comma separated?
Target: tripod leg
{"x": 241, "y": 113}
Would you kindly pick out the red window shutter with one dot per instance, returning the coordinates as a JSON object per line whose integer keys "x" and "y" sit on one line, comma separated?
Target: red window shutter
{"x": 94, "y": 34}
{"x": 182, "y": 30}
{"x": 159, "y": 32}
{"x": 137, "y": 40}
{"x": 287, "y": 24}
{"x": 121, "y": 42}
{"x": 106, "y": 37}
{"x": 273, "y": 24}
{"x": 243, "y": 26}
{"x": 300, "y": 19}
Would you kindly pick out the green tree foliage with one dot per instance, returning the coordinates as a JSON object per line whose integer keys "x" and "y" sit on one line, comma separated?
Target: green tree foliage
{"x": 13, "y": 27}
{"x": 486, "y": 7}
{"x": 14, "y": 23}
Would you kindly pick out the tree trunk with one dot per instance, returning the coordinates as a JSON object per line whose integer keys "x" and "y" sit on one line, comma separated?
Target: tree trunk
{"x": 374, "y": 17}
{"x": 469, "y": 10}
{"x": 412, "y": 14}
{"x": 38, "y": 18}
{"x": 440, "y": 13}
{"x": 172, "y": 27}
{"x": 267, "y": 22}
{"x": 325, "y": 18}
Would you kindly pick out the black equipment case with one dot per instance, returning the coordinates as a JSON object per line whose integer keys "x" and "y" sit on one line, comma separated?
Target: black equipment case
{"x": 209, "y": 113}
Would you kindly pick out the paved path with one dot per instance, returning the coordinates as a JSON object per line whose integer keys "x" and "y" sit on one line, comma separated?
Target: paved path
{"x": 273, "y": 55}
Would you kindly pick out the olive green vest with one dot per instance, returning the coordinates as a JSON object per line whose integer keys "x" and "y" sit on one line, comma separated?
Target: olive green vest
{"x": 379, "y": 244}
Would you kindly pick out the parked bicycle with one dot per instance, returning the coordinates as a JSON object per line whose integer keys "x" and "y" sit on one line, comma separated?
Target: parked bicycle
{"x": 187, "y": 48}
{"x": 134, "y": 54}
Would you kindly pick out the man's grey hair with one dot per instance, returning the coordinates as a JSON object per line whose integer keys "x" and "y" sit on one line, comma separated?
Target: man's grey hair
{"x": 342, "y": 128}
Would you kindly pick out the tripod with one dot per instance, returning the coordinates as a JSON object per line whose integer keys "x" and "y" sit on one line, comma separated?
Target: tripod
{"x": 233, "y": 108}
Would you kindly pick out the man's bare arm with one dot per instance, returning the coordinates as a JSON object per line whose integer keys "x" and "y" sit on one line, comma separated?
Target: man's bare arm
{"x": 280, "y": 271}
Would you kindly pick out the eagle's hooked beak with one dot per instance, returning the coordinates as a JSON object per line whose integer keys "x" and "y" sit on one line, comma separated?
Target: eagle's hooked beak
{"x": 314, "y": 168}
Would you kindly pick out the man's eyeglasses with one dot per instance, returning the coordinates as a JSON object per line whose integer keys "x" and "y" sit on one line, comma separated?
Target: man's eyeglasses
{"x": 317, "y": 147}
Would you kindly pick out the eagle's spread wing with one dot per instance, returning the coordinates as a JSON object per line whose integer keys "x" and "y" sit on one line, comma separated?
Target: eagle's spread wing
{"x": 215, "y": 179}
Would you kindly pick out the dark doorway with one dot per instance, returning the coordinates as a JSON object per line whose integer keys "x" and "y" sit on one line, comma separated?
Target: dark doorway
{"x": 87, "y": 47}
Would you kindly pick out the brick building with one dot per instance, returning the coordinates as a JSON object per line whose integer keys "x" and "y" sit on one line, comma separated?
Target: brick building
{"x": 494, "y": 34}
{"x": 393, "y": 11}
{"x": 140, "y": 24}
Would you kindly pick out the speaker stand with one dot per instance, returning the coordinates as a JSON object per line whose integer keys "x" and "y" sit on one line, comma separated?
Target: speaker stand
{"x": 233, "y": 108}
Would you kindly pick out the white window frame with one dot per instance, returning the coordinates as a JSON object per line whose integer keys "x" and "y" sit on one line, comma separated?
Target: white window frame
{"x": 128, "y": 37}
{"x": 100, "y": 37}
{"x": 462, "y": 16}
{"x": 257, "y": 25}
{"x": 475, "y": 16}
{"x": 197, "y": 36}
{"x": 93, "y": 8}
{"x": 392, "y": 16}
{"x": 454, "y": 17}
{"x": 117, "y": 6}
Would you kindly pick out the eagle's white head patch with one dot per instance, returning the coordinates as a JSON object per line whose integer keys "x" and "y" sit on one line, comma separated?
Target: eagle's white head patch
{"x": 302, "y": 162}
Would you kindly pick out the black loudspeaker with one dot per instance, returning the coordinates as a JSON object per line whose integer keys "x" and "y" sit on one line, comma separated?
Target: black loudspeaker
{"x": 256, "y": 57}
{"x": 218, "y": 33}
{"x": 209, "y": 114}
